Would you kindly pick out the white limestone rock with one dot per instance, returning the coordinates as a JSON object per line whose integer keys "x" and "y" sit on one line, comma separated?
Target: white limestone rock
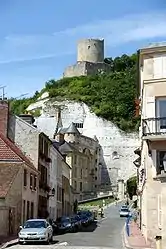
{"x": 110, "y": 137}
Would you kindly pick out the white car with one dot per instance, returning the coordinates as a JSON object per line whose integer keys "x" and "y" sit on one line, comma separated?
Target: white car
{"x": 124, "y": 212}
{"x": 36, "y": 230}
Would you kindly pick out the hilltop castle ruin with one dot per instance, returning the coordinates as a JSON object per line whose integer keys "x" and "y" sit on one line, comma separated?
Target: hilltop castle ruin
{"x": 90, "y": 59}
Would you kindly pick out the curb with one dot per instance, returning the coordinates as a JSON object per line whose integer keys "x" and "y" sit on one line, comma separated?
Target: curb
{"x": 124, "y": 239}
{"x": 126, "y": 244}
{"x": 9, "y": 243}
{"x": 15, "y": 242}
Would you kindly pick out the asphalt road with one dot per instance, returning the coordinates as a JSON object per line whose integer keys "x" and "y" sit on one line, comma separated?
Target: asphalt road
{"x": 104, "y": 234}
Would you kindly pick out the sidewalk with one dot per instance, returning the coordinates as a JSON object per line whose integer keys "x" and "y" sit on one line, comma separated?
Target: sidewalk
{"x": 6, "y": 241}
{"x": 136, "y": 240}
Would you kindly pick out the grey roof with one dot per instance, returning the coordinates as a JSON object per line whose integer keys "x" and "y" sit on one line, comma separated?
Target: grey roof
{"x": 66, "y": 148}
{"x": 154, "y": 45}
{"x": 72, "y": 129}
{"x": 62, "y": 130}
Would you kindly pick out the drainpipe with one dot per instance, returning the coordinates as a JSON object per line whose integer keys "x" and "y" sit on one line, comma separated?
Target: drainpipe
{"x": 158, "y": 242}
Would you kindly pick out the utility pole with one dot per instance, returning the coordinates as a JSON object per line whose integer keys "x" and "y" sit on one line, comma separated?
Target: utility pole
{"x": 3, "y": 92}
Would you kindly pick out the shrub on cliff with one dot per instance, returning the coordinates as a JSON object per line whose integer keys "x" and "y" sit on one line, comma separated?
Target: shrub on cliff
{"x": 110, "y": 96}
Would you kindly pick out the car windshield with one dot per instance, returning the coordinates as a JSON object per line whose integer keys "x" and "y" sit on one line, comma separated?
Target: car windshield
{"x": 124, "y": 210}
{"x": 35, "y": 224}
{"x": 65, "y": 219}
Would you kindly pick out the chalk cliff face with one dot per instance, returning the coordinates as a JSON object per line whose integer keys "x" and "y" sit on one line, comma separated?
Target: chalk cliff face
{"x": 117, "y": 147}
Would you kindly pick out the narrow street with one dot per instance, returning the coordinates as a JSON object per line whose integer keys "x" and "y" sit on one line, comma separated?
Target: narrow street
{"x": 106, "y": 233}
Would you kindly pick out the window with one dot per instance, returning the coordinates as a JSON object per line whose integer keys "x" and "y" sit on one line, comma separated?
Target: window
{"x": 41, "y": 141}
{"x": 43, "y": 176}
{"x": 24, "y": 207}
{"x": 81, "y": 186}
{"x": 46, "y": 148}
{"x": 27, "y": 210}
{"x": 75, "y": 159}
{"x": 78, "y": 125}
{"x": 32, "y": 210}
{"x": 161, "y": 162}
{"x": 81, "y": 173}
{"x": 25, "y": 177}
{"x": 161, "y": 112}
{"x": 35, "y": 183}
{"x": 75, "y": 185}
{"x": 31, "y": 181}
{"x": 95, "y": 177}
{"x": 75, "y": 172}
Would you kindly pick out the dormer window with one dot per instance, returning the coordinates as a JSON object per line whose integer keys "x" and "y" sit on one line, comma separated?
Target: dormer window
{"x": 115, "y": 155}
{"x": 78, "y": 125}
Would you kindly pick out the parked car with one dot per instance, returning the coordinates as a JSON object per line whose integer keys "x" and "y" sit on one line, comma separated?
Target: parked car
{"x": 124, "y": 212}
{"x": 65, "y": 224}
{"x": 76, "y": 220}
{"x": 84, "y": 220}
{"x": 90, "y": 216}
{"x": 36, "y": 230}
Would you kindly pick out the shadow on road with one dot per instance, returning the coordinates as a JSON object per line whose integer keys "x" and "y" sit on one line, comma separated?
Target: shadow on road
{"x": 39, "y": 243}
{"x": 91, "y": 228}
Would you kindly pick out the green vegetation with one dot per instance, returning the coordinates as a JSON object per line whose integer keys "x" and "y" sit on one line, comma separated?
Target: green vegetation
{"x": 132, "y": 186}
{"x": 111, "y": 96}
{"x": 97, "y": 202}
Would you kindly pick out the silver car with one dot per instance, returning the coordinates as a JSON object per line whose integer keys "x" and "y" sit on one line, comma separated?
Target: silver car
{"x": 36, "y": 230}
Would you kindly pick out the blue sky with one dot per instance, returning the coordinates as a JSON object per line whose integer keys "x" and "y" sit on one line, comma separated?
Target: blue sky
{"x": 38, "y": 37}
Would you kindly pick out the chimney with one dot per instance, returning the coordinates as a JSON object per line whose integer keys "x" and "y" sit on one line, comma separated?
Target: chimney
{"x": 4, "y": 115}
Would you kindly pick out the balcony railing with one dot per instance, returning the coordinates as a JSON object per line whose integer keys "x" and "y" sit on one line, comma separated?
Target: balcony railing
{"x": 154, "y": 126}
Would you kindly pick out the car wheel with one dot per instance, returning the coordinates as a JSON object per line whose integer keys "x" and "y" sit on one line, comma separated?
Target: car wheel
{"x": 20, "y": 243}
{"x": 51, "y": 239}
{"x": 48, "y": 240}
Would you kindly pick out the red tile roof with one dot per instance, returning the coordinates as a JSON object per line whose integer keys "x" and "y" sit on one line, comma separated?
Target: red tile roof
{"x": 8, "y": 172}
{"x": 10, "y": 152}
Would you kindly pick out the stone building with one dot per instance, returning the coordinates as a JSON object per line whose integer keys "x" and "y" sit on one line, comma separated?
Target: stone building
{"x": 90, "y": 59}
{"x": 82, "y": 154}
{"x": 152, "y": 170}
{"x": 19, "y": 182}
{"x": 36, "y": 145}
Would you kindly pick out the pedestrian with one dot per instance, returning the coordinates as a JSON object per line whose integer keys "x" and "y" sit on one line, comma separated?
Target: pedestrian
{"x": 102, "y": 214}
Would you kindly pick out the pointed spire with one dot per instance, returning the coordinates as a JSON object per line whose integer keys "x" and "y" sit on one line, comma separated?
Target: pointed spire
{"x": 59, "y": 121}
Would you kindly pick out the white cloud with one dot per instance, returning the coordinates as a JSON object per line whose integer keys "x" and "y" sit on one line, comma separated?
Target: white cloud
{"x": 115, "y": 32}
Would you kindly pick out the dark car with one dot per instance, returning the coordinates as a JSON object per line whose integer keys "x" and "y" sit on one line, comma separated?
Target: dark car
{"x": 64, "y": 224}
{"x": 84, "y": 220}
{"x": 76, "y": 220}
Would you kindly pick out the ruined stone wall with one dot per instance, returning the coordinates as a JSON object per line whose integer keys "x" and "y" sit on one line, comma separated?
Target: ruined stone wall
{"x": 86, "y": 68}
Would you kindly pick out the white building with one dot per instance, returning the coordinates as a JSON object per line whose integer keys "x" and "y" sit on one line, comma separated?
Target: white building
{"x": 152, "y": 171}
{"x": 53, "y": 182}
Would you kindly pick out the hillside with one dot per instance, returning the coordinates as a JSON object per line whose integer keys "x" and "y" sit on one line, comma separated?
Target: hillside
{"x": 110, "y": 96}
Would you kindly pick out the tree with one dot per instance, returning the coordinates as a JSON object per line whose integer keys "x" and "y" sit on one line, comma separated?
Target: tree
{"x": 109, "y": 95}
{"x": 132, "y": 186}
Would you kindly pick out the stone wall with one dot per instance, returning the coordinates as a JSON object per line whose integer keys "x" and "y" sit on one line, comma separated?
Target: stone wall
{"x": 86, "y": 68}
{"x": 110, "y": 137}
{"x": 25, "y": 136}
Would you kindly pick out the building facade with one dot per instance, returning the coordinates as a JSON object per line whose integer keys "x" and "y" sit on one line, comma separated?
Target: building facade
{"x": 152, "y": 171}
{"x": 19, "y": 186}
{"x": 35, "y": 145}
{"x": 82, "y": 154}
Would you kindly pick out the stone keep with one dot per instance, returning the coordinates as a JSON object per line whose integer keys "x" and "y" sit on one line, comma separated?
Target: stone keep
{"x": 91, "y": 50}
{"x": 117, "y": 152}
{"x": 90, "y": 59}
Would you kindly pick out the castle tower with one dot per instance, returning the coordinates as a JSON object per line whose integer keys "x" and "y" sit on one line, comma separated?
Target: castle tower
{"x": 90, "y": 50}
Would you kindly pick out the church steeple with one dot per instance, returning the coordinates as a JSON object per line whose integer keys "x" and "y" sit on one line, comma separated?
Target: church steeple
{"x": 59, "y": 121}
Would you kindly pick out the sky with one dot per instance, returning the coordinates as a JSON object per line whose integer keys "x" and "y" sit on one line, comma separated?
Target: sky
{"x": 38, "y": 38}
